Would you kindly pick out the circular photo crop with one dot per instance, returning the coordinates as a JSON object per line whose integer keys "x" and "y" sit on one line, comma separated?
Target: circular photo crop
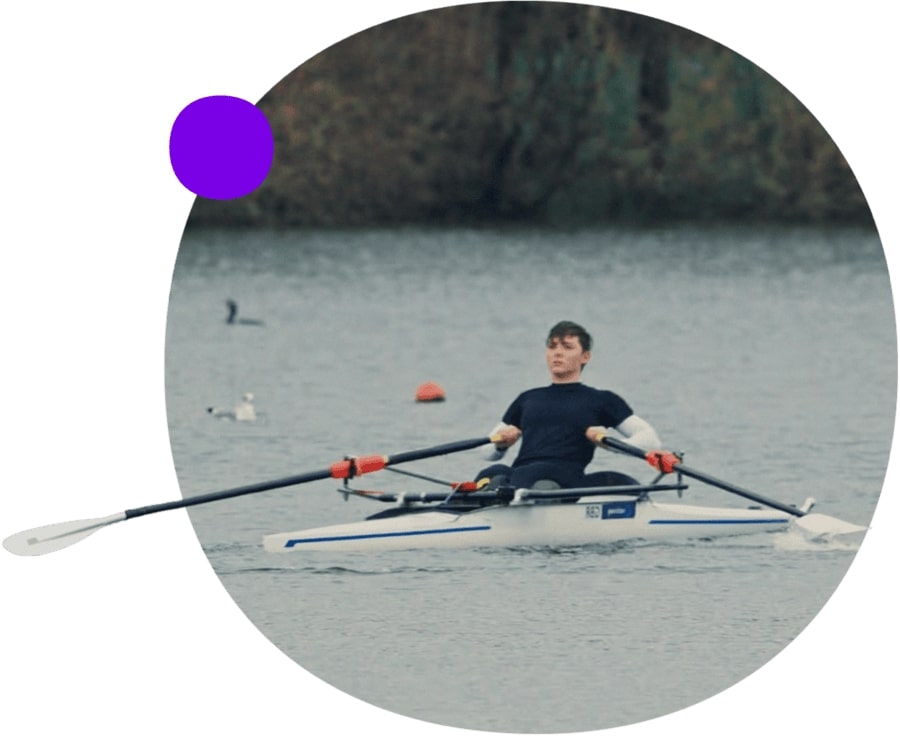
{"x": 539, "y": 360}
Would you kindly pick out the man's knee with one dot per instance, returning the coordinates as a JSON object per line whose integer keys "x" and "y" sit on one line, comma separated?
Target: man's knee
{"x": 495, "y": 475}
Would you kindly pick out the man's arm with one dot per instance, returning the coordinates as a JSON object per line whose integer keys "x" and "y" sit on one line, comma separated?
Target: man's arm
{"x": 639, "y": 432}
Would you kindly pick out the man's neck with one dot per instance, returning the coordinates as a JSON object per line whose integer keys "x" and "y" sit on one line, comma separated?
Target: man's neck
{"x": 563, "y": 381}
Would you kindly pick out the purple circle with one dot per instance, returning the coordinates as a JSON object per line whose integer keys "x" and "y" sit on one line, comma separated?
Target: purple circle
{"x": 221, "y": 147}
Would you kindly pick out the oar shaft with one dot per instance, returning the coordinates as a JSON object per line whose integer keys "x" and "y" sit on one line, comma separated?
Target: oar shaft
{"x": 337, "y": 470}
{"x": 617, "y": 444}
{"x": 268, "y": 485}
{"x": 405, "y": 457}
{"x": 737, "y": 490}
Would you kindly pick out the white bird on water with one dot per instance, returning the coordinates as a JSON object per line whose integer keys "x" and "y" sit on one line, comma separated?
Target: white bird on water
{"x": 245, "y": 411}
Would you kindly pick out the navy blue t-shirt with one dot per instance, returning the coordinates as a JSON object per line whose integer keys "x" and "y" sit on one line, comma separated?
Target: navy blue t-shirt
{"x": 554, "y": 418}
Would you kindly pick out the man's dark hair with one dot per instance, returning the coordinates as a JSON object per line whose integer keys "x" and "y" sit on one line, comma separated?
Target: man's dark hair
{"x": 570, "y": 329}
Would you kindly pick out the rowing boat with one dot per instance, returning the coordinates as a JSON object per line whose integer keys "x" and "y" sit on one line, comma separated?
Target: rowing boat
{"x": 470, "y": 516}
{"x": 530, "y": 517}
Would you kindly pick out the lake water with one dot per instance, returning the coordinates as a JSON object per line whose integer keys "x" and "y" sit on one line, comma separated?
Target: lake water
{"x": 767, "y": 355}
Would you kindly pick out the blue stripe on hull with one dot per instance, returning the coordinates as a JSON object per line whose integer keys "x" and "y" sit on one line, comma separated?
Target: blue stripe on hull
{"x": 386, "y": 535}
{"x": 718, "y": 521}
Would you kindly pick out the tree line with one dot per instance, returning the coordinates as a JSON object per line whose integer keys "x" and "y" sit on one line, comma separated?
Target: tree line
{"x": 539, "y": 112}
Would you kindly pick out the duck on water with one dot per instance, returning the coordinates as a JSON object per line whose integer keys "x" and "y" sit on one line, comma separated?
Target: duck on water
{"x": 233, "y": 319}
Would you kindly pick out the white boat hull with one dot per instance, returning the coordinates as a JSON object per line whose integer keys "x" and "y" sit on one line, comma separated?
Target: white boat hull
{"x": 588, "y": 521}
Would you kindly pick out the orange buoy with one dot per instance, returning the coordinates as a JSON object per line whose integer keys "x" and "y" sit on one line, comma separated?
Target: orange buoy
{"x": 430, "y": 391}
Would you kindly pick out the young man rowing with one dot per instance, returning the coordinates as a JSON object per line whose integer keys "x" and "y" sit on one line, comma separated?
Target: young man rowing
{"x": 560, "y": 425}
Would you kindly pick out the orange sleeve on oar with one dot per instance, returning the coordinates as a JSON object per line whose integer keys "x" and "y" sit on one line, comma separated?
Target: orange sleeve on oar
{"x": 661, "y": 460}
{"x": 470, "y": 485}
{"x": 351, "y": 467}
{"x": 464, "y": 486}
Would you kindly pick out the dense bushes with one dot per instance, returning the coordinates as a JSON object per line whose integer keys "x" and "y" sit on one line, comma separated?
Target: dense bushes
{"x": 542, "y": 112}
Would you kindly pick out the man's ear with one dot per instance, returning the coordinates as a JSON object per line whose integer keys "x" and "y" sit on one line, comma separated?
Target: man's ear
{"x": 585, "y": 358}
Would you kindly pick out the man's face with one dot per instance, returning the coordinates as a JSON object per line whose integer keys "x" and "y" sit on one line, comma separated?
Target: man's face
{"x": 565, "y": 358}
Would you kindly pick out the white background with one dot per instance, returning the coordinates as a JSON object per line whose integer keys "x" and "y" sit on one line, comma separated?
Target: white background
{"x": 130, "y": 631}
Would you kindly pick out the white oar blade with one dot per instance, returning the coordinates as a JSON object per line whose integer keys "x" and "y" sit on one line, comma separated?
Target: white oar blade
{"x": 44, "y": 539}
{"x": 820, "y": 525}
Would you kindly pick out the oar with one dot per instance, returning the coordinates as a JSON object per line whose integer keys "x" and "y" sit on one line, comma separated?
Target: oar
{"x": 44, "y": 539}
{"x": 817, "y": 524}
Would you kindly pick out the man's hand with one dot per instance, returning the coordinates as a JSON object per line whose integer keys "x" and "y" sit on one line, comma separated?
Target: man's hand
{"x": 662, "y": 460}
{"x": 596, "y": 434}
{"x": 507, "y": 436}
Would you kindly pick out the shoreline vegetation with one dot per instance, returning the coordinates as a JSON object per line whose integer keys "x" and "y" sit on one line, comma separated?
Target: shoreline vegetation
{"x": 543, "y": 114}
